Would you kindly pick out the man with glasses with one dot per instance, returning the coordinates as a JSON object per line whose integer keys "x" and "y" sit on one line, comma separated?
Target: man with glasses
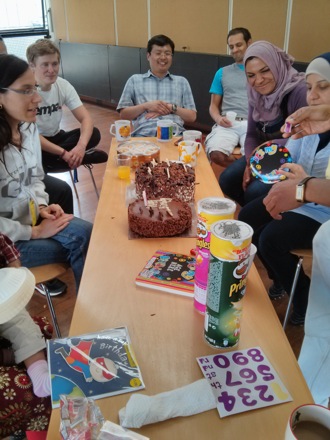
{"x": 157, "y": 94}
{"x": 228, "y": 93}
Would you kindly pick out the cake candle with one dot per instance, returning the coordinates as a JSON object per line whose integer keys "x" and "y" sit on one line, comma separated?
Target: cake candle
{"x": 145, "y": 198}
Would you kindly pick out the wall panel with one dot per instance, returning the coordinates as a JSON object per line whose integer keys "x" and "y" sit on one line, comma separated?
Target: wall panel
{"x": 59, "y": 19}
{"x": 265, "y": 19}
{"x": 91, "y": 21}
{"x": 132, "y": 22}
{"x": 310, "y": 30}
{"x": 201, "y": 26}
{"x": 86, "y": 67}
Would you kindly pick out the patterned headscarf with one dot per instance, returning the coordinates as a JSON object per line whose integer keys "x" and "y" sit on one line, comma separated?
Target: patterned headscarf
{"x": 267, "y": 107}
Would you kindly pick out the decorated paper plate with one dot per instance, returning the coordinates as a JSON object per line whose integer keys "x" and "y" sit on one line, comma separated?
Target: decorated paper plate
{"x": 266, "y": 161}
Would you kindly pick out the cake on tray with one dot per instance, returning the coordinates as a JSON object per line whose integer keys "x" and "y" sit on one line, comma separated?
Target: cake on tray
{"x": 165, "y": 179}
{"x": 164, "y": 217}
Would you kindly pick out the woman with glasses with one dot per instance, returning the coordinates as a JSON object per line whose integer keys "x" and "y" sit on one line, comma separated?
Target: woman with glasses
{"x": 43, "y": 233}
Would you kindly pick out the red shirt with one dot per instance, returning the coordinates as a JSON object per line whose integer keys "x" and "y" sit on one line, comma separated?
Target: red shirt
{"x": 8, "y": 251}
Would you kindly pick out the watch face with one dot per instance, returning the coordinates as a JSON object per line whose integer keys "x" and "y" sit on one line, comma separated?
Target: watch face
{"x": 299, "y": 193}
{"x": 266, "y": 161}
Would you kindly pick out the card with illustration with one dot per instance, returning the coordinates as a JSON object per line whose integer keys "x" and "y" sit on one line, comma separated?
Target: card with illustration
{"x": 243, "y": 380}
{"x": 93, "y": 365}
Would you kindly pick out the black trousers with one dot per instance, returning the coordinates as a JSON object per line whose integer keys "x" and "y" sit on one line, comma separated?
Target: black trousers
{"x": 59, "y": 193}
{"x": 275, "y": 239}
{"x": 231, "y": 181}
{"x": 67, "y": 140}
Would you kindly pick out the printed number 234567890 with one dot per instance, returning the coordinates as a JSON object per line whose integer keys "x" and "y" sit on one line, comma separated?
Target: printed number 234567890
{"x": 243, "y": 380}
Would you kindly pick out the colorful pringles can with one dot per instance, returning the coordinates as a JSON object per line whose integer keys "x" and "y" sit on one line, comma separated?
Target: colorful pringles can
{"x": 228, "y": 267}
{"x": 210, "y": 210}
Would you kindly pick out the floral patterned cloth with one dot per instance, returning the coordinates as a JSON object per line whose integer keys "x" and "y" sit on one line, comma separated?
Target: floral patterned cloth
{"x": 20, "y": 409}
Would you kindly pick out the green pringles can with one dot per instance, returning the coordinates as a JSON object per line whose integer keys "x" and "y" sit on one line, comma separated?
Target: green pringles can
{"x": 229, "y": 264}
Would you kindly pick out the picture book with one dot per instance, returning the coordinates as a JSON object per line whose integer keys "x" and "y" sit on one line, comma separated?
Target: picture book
{"x": 170, "y": 272}
{"x": 93, "y": 365}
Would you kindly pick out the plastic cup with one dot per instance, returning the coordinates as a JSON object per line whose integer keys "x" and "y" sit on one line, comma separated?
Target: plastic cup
{"x": 231, "y": 116}
{"x": 123, "y": 167}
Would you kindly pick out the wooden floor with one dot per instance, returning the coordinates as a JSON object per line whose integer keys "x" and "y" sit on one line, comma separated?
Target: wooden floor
{"x": 85, "y": 207}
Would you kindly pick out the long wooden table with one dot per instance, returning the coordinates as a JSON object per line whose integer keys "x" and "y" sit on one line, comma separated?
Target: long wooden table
{"x": 166, "y": 332}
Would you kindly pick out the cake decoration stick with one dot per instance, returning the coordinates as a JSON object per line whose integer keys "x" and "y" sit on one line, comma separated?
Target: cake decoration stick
{"x": 149, "y": 171}
{"x": 168, "y": 172}
{"x": 168, "y": 162}
{"x": 184, "y": 166}
{"x": 169, "y": 211}
{"x": 145, "y": 198}
{"x": 153, "y": 162}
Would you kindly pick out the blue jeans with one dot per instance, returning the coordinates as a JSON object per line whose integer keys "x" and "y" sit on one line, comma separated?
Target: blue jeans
{"x": 231, "y": 181}
{"x": 68, "y": 246}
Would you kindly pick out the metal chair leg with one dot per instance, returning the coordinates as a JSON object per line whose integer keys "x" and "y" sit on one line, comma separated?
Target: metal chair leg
{"x": 51, "y": 310}
{"x": 90, "y": 167}
{"x": 73, "y": 180}
{"x": 293, "y": 291}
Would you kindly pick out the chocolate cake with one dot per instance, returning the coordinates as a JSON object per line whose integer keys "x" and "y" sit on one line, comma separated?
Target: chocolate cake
{"x": 172, "y": 180}
{"x": 160, "y": 218}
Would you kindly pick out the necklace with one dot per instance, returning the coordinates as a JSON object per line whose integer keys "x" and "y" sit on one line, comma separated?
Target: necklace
{"x": 264, "y": 126}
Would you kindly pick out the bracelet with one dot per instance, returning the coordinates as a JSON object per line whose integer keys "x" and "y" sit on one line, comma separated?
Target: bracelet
{"x": 62, "y": 154}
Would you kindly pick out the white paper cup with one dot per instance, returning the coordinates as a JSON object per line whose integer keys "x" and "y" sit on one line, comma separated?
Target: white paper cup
{"x": 307, "y": 420}
{"x": 192, "y": 135}
{"x": 231, "y": 116}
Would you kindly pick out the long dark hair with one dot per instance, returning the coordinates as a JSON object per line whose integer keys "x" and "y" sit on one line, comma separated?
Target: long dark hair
{"x": 11, "y": 68}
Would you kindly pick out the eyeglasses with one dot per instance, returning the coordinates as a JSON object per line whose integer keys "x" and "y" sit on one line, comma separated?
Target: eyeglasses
{"x": 26, "y": 92}
{"x": 158, "y": 54}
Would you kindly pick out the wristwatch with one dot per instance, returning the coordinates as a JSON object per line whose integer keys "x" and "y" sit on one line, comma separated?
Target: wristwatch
{"x": 300, "y": 189}
{"x": 174, "y": 108}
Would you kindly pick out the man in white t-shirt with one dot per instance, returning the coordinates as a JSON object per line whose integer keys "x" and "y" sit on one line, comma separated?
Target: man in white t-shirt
{"x": 61, "y": 149}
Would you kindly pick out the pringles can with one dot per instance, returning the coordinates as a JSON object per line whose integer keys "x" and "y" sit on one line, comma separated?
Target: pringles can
{"x": 228, "y": 267}
{"x": 209, "y": 210}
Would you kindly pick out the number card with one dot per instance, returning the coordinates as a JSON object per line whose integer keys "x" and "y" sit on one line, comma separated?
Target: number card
{"x": 243, "y": 380}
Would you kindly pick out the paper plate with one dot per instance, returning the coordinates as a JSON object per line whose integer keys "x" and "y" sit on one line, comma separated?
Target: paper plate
{"x": 266, "y": 161}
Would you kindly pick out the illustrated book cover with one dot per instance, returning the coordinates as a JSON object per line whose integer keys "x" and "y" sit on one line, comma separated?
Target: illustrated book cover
{"x": 170, "y": 272}
{"x": 93, "y": 365}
